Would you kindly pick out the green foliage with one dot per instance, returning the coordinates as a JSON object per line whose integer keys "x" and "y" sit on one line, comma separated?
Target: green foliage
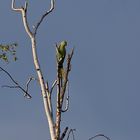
{"x": 8, "y": 50}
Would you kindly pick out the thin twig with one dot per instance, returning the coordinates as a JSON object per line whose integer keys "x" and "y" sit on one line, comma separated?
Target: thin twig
{"x": 48, "y": 97}
{"x": 7, "y": 86}
{"x": 44, "y": 15}
{"x": 13, "y": 7}
{"x": 67, "y": 100}
{"x": 26, "y": 5}
{"x": 53, "y": 85}
{"x": 27, "y": 85}
{"x": 99, "y": 135}
{"x": 71, "y": 132}
{"x": 47, "y": 86}
{"x": 16, "y": 84}
{"x": 8, "y": 75}
{"x": 28, "y": 82}
{"x": 64, "y": 133}
{"x": 26, "y": 94}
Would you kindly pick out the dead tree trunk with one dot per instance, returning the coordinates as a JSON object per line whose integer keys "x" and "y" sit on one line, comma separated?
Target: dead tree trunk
{"x": 54, "y": 123}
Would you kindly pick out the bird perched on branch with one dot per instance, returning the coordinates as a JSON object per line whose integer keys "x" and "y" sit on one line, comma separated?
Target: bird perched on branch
{"x": 61, "y": 53}
{"x": 60, "y": 56}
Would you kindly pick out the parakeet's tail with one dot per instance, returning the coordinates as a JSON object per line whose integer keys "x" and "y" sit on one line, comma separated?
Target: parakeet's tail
{"x": 60, "y": 65}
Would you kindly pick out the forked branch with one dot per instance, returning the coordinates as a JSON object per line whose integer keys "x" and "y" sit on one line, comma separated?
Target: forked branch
{"x": 64, "y": 133}
{"x": 25, "y": 91}
{"x": 71, "y": 132}
{"x": 23, "y": 11}
{"x": 44, "y": 87}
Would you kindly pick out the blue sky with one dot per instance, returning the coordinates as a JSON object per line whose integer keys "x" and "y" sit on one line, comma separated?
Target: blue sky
{"x": 105, "y": 77}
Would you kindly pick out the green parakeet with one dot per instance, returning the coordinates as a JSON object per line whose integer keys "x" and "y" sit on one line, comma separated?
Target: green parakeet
{"x": 60, "y": 56}
{"x": 61, "y": 53}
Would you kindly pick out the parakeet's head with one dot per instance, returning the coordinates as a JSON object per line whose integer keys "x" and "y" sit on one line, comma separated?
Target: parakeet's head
{"x": 63, "y": 43}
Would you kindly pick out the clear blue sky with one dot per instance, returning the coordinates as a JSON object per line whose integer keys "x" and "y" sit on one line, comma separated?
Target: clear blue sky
{"x": 105, "y": 77}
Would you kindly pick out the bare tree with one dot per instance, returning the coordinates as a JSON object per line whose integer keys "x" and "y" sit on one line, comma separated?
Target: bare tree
{"x": 54, "y": 121}
{"x": 61, "y": 82}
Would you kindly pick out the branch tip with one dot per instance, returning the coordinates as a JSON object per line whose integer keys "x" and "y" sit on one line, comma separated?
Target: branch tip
{"x": 44, "y": 15}
{"x": 25, "y": 6}
{"x": 71, "y": 132}
{"x": 99, "y": 135}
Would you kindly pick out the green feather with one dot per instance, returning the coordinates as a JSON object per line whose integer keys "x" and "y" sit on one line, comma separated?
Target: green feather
{"x": 60, "y": 56}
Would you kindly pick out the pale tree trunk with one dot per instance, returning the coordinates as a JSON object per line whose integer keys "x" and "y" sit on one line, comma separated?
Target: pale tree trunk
{"x": 44, "y": 91}
{"x": 54, "y": 125}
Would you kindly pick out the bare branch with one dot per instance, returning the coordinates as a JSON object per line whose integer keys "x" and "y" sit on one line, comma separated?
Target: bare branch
{"x": 48, "y": 96}
{"x": 44, "y": 15}
{"x": 68, "y": 69}
{"x": 64, "y": 133}
{"x": 58, "y": 105}
{"x": 71, "y": 132}
{"x": 10, "y": 86}
{"x": 19, "y": 9}
{"x": 26, "y": 5}
{"x": 9, "y": 75}
{"x": 26, "y": 94}
{"x": 47, "y": 86}
{"x": 28, "y": 82}
{"x": 67, "y": 100}
{"x": 33, "y": 41}
{"x": 99, "y": 135}
{"x": 14, "y": 8}
{"x": 16, "y": 84}
{"x": 53, "y": 85}
{"x": 24, "y": 16}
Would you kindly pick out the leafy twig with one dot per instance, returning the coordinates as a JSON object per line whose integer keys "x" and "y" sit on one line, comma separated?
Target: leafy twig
{"x": 6, "y": 50}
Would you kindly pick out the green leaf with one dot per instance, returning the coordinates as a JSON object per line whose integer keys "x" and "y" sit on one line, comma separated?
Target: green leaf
{"x": 4, "y": 57}
{"x": 7, "y": 51}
